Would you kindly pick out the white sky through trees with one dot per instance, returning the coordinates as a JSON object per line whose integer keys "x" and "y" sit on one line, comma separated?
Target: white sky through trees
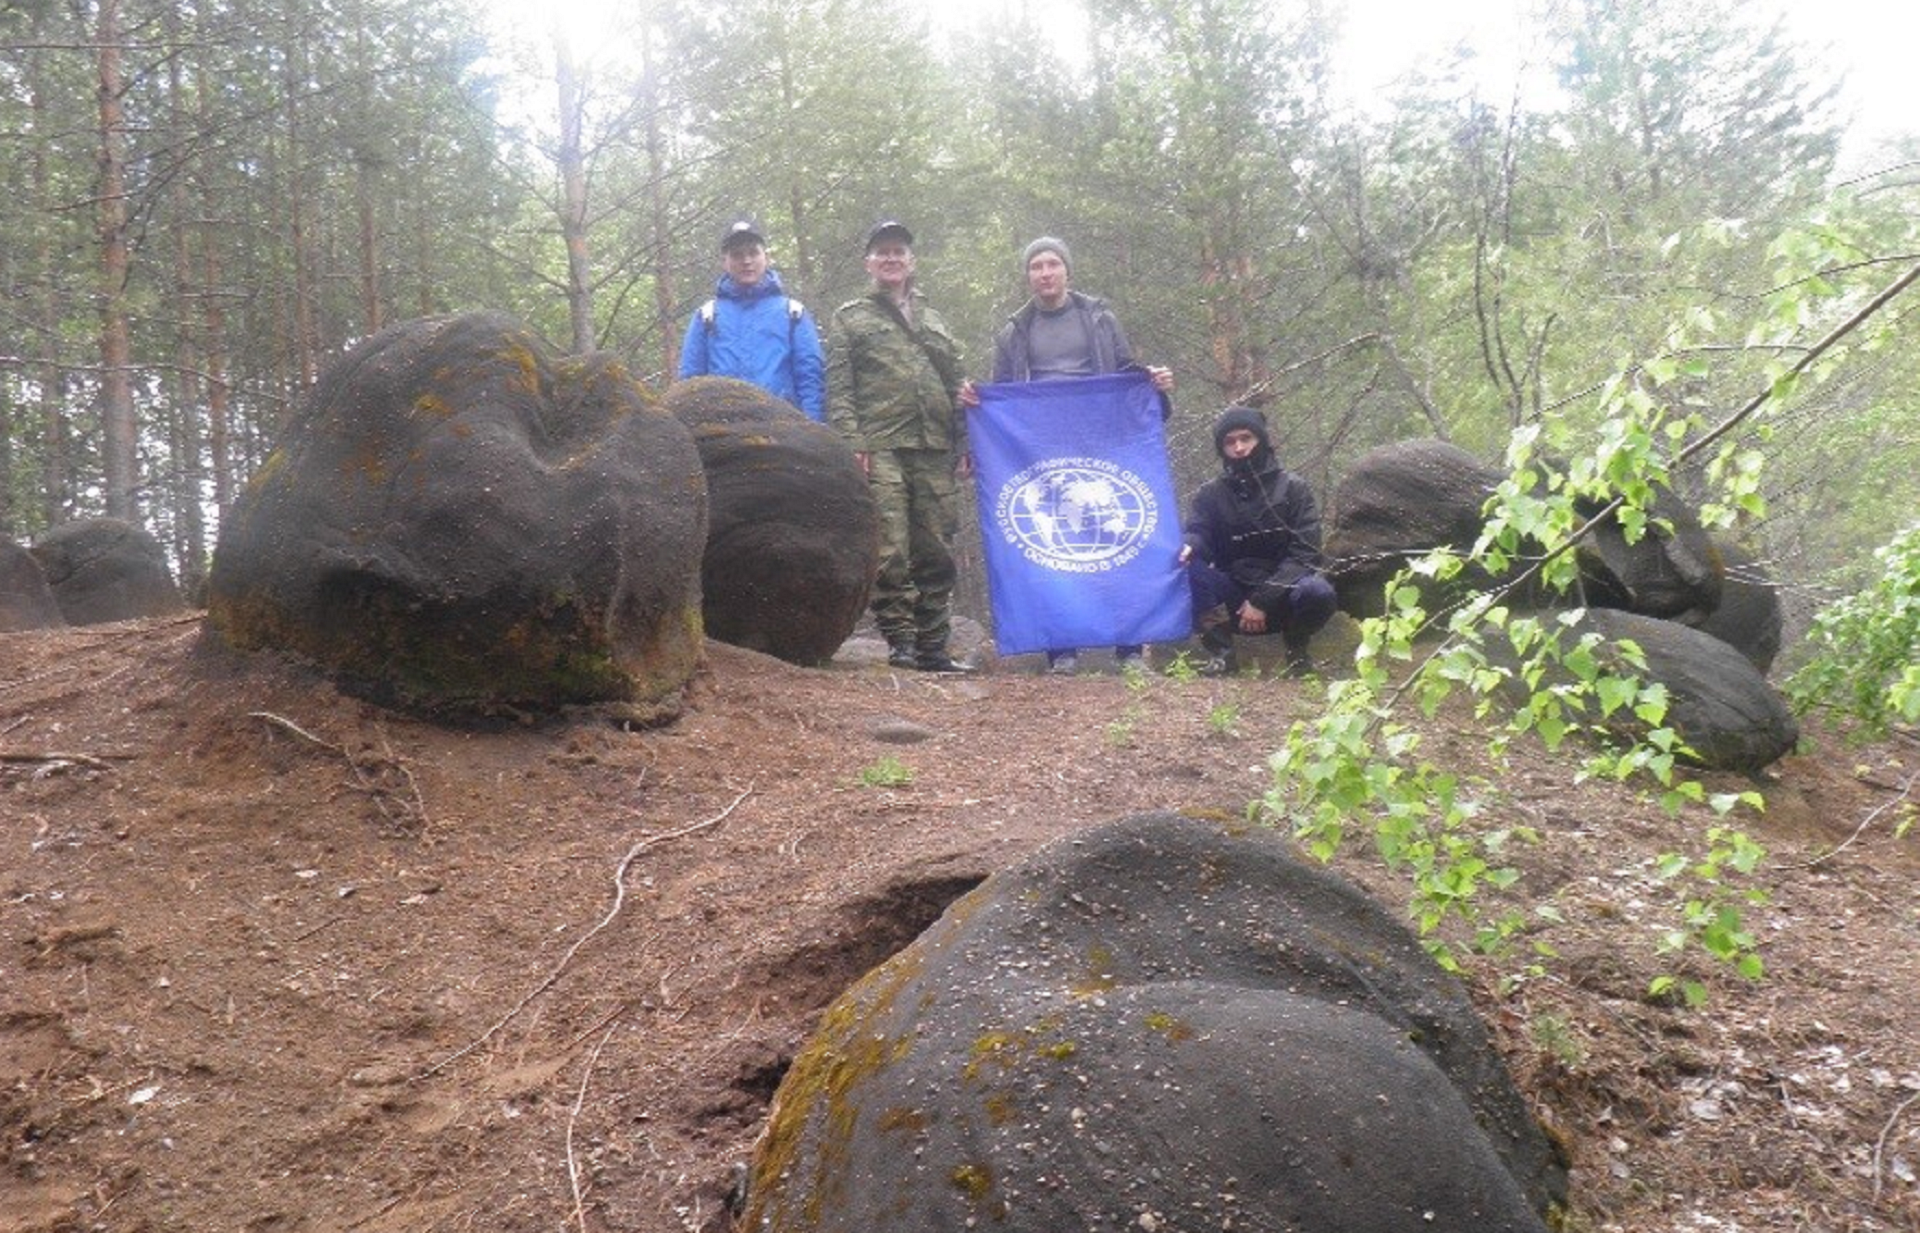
{"x": 1870, "y": 41}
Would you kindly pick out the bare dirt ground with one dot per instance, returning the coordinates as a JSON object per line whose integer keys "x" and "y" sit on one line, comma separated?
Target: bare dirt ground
{"x": 275, "y": 959}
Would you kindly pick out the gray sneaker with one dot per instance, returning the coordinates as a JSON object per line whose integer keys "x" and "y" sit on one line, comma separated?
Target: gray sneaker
{"x": 1063, "y": 665}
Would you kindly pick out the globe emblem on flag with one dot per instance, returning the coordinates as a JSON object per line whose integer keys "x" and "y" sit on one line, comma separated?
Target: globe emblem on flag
{"x": 1075, "y": 514}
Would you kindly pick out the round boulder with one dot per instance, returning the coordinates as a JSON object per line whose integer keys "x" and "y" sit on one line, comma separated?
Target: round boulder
{"x": 1400, "y": 502}
{"x": 462, "y": 521}
{"x": 1404, "y": 500}
{"x": 1717, "y": 700}
{"x": 1156, "y": 1025}
{"x": 26, "y": 601}
{"x": 106, "y": 569}
{"x": 793, "y": 535}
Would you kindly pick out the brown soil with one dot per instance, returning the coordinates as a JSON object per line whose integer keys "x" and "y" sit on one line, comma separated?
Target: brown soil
{"x": 275, "y": 959}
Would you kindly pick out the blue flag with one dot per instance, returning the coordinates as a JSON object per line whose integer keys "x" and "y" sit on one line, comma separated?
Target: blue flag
{"x": 1078, "y": 514}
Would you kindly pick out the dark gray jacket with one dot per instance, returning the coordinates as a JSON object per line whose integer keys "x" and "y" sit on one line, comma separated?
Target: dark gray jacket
{"x": 1012, "y": 347}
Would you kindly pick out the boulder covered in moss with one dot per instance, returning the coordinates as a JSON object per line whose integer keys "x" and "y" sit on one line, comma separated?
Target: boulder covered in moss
{"x": 106, "y": 569}
{"x": 1159, "y": 1025}
{"x": 462, "y": 521}
{"x": 26, "y": 601}
{"x": 793, "y": 535}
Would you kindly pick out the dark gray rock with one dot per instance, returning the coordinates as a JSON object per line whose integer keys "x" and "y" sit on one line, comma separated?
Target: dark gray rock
{"x": 26, "y": 601}
{"x": 1155, "y": 1025}
{"x": 462, "y": 521}
{"x": 793, "y": 535}
{"x": 1718, "y": 701}
{"x": 1748, "y": 617}
{"x": 1674, "y": 571}
{"x": 1400, "y": 502}
{"x": 106, "y": 569}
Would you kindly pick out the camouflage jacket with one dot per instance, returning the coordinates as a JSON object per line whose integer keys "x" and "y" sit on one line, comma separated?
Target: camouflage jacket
{"x": 891, "y": 386}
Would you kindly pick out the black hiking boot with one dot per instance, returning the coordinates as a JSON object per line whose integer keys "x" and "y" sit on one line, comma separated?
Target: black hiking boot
{"x": 939, "y": 661}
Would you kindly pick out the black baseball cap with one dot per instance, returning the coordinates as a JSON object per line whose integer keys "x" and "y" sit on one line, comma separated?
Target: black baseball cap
{"x": 889, "y": 229}
{"x": 742, "y": 229}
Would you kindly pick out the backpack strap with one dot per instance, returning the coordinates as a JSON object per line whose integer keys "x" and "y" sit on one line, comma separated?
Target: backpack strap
{"x": 706, "y": 315}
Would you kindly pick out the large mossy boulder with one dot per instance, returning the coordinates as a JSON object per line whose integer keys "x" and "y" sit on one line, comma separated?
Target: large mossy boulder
{"x": 1717, "y": 699}
{"x": 793, "y": 535}
{"x": 1160, "y": 1024}
{"x": 106, "y": 569}
{"x": 26, "y": 601}
{"x": 462, "y": 521}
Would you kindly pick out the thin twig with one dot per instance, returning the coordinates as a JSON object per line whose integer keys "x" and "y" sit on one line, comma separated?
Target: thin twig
{"x": 97, "y": 761}
{"x": 297, "y": 730}
{"x": 1880, "y": 1145}
{"x": 1865, "y": 822}
{"x": 573, "y": 1116}
{"x": 619, "y": 901}
{"x": 362, "y": 781}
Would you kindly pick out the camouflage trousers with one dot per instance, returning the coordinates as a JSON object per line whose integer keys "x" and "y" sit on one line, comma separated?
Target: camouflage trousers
{"x": 913, "y": 594}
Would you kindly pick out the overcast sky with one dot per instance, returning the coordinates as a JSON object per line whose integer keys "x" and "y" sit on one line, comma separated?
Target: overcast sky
{"x": 1872, "y": 41}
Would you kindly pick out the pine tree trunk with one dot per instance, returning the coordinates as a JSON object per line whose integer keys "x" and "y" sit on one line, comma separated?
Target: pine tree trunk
{"x": 573, "y": 202}
{"x": 119, "y": 430}
{"x": 660, "y": 241}
{"x": 185, "y": 492}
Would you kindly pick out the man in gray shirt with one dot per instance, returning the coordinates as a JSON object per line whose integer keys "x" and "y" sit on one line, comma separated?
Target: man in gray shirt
{"x": 1061, "y": 333}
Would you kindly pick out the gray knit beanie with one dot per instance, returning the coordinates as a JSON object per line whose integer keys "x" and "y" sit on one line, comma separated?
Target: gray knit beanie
{"x": 1047, "y": 244}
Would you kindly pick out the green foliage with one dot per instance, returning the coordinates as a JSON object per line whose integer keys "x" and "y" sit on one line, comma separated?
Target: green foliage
{"x": 1533, "y": 675}
{"x": 1556, "y": 1038}
{"x": 1866, "y": 647}
{"x": 1182, "y": 668}
{"x": 888, "y": 772}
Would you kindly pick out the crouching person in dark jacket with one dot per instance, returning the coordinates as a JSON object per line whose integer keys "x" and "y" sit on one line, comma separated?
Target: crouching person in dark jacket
{"x": 1252, "y": 549}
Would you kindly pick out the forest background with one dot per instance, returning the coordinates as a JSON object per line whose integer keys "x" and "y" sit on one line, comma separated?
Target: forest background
{"x": 211, "y": 200}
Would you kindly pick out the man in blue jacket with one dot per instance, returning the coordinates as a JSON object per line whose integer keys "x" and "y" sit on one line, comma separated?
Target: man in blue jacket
{"x": 753, "y": 330}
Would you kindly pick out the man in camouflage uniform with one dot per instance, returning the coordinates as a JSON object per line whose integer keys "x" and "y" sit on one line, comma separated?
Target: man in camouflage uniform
{"x": 893, "y": 385}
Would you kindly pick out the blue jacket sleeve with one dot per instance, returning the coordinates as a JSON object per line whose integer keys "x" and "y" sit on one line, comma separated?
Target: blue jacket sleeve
{"x": 693, "y": 350}
{"x": 809, "y": 368}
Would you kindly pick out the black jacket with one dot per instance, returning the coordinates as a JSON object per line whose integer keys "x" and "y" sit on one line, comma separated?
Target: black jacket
{"x": 1262, "y": 530}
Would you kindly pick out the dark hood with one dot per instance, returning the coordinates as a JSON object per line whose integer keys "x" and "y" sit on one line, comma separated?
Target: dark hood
{"x": 1255, "y": 464}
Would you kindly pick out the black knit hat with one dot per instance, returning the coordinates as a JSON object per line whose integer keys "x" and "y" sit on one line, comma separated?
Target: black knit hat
{"x": 1239, "y": 417}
